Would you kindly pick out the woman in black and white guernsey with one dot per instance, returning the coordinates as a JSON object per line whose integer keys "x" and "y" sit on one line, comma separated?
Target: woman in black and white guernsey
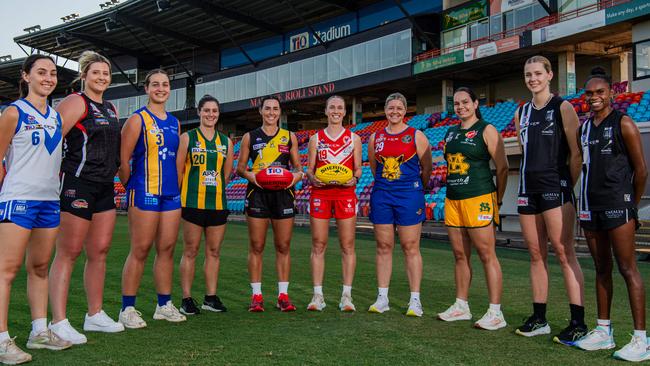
{"x": 613, "y": 180}
{"x": 550, "y": 166}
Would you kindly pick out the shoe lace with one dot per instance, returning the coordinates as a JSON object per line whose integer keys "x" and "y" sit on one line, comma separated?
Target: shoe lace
{"x": 9, "y": 344}
{"x": 132, "y": 314}
{"x": 636, "y": 342}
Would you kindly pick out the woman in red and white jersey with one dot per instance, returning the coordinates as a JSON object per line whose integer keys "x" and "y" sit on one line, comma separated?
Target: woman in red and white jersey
{"x": 333, "y": 145}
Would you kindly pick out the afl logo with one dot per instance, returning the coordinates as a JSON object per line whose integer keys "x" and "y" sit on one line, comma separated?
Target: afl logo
{"x": 407, "y": 139}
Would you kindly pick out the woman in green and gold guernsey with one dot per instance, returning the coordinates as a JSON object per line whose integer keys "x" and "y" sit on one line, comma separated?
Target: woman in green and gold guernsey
{"x": 472, "y": 205}
{"x": 204, "y": 164}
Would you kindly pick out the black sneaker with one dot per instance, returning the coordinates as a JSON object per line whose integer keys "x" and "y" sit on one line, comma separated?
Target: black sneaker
{"x": 533, "y": 326}
{"x": 213, "y": 303}
{"x": 571, "y": 334}
{"x": 188, "y": 307}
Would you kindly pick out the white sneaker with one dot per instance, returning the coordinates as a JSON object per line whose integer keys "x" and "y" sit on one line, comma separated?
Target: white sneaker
{"x": 597, "y": 339}
{"x": 636, "y": 351}
{"x": 492, "y": 320}
{"x": 101, "y": 322}
{"x": 415, "y": 308}
{"x": 131, "y": 318}
{"x": 11, "y": 354}
{"x": 455, "y": 312}
{"x": 380, "y": 306}
{"x": 317, "y": 303}
{"x": 168, "y": 312}
{"x": 346, "y": 304}
{"x": 65, "y": 331}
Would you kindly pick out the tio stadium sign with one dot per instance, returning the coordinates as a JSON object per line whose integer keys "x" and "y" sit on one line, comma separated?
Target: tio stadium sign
{"x": 304, "y": 40}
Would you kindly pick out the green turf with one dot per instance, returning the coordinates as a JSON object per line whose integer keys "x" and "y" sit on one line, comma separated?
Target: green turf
{"x": 239, "y": 337}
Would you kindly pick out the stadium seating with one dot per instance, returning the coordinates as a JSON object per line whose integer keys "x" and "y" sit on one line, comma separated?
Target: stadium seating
{"x": 434, "y": 126}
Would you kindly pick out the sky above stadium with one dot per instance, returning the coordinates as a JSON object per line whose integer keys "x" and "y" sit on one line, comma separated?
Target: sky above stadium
{"x": 20, "y": 14}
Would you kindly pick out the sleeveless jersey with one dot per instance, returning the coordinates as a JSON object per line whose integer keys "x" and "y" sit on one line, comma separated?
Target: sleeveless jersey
{"x": 335, "y": 150}
{"x": 154, "y": 158}
{"x": 204, "y": 185}
{"x": 92, "y": 147}
{"x": 606, "y": 181}
{"x": 468, "y": 162}
{"x": 266, "y": 151}
{"x": 33, "y": 158}
{"x": 398, "y": 165}
{"x": 545, "y": 150}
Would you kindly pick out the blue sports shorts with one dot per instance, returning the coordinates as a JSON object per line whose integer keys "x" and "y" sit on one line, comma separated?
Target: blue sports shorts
{"x": 402, "y": 208}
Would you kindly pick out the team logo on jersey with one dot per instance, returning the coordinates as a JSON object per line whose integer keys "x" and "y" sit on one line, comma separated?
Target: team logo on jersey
{"x": 471, "y": 134}
{"x": 456, "y": 164}
{"x": 627, "y": 197}
{"x": 198, "y": 144}
{"x": 549, "y": 115}
{"x": 392, "y": 167}
{"x": 346, "y": 139}
{"x": 607, "y": 133}
{"x": 407, "y": 139}
{"x": 284, "y": 140}
{"x": 111, "y": 113}
{"x": 484, "y": 207}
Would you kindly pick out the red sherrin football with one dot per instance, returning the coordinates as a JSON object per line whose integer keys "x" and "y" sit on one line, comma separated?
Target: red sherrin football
{"x": 274, "y": 178}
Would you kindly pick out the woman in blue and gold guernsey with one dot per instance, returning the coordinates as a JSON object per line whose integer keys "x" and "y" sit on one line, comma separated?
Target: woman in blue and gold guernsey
{"x": 91, "y": 159}
{"x": 30, "y": 140}
{"x": 269, "y": 145}
{"x": 204, "y": 162}
{"x": 472, "y": 205}
{"x": 150, "y": 140}
{"x": 400, "y": 159}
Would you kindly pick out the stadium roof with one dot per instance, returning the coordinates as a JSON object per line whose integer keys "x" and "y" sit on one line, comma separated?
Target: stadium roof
{"x": 182, "y": 29}
{"x": 10, "y": 75}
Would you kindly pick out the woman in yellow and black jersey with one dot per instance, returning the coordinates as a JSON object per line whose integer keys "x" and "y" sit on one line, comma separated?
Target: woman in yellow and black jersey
{"x": 472, "y": 205}
{"x": 269, "y": 145}
{"x": 204, "y": 164}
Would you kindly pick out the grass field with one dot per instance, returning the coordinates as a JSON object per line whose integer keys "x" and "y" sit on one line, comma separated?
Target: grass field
{"x": 330, "y": 337}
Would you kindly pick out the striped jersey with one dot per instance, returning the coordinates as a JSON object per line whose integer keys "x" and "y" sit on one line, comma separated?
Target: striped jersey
{"x": 33, "y": 159}
{"x": 267, "y": 151}
{"x": 607, "y": 173}
{"x": 544, "y": 167}
{"x": 91, "y": 149}
{"x": 468, "y": 162}
{"x": 154, "y": 157}
{"x": 204, "y": 183}
{"x": 398, "y": 165}
{"x": 335, "y": 150}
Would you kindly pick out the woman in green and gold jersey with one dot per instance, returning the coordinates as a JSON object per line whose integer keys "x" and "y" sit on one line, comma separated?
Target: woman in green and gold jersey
{"x": 472, "y": 205}
{"x": 204, "y": 162}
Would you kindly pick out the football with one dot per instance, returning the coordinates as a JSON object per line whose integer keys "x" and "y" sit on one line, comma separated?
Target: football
{"x": 334, "y": 174}
{"x": 274, "y": 178}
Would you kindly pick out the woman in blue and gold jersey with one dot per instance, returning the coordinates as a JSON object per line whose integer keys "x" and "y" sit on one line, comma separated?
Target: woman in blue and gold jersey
{"x": 204, "y": 165}
{"x": 150, "y": 139}
{"x": 269, "y": 145}
{"x": 400, "y": 159}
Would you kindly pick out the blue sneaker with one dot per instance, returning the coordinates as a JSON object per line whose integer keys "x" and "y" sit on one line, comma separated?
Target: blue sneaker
{"x": 570, "y": 335}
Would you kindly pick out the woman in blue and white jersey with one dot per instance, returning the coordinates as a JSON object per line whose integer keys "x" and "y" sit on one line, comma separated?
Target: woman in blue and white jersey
{"x": 30, "y": 140}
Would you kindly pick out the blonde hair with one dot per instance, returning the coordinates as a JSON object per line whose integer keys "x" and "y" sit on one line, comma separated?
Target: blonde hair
{"x": 396, "y": 96}
{"x": 542, "y": 60}
{"x": 86, "y": 59}
{"x": 327, "y": 102}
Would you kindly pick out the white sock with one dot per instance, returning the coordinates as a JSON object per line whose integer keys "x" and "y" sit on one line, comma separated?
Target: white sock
{"x": 495, "y": 307}
{"x": 462, "y": 302}
{"x": 257, "y": 288}
{"x": 318, "y": 290}
{"x": 604, "y": 323}
{"x": 283, "y": 287}
{"x": 4, "y": 336}
{"x": 39, "y": 325}
{"x": 642, "y": 334}
{"x": 347, "y": 290}
{"x": 382, "y": 292}
{"x": 415, "y": 296}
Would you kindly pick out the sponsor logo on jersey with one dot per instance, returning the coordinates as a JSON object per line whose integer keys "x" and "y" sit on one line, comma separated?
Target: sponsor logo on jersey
{"x": 585, "y": 215}
{"x": 221, "y": 149}
{"x": 210, "y": 178}
{"x": 79, "y": 203}
{"x": 484, "y": 217}
{"x": 33, "y": 127}
{"x": 418, "y": 212}
{"x": 284, "y": 140}
{"x": 283, "y": 148}
{"x": 564, "y": 183}
{"x": 287, "y": 211}
{"x": 550, "y": 196}
{"x": 615, "y": 214}
{"x": 458, "y": 181}
{"x": 522, "y": 201}
{"x": 471, "y": 134}
{"x": 20, "y": 207}
{"x": 316, "y": 202}
{"x": 70, "y": 193}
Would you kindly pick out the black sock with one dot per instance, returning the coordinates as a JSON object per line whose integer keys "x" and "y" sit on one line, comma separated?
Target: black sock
{"x": 577, "y": 314}
{"x": 539, "y": 310}
{"x": 210, "y": 297}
